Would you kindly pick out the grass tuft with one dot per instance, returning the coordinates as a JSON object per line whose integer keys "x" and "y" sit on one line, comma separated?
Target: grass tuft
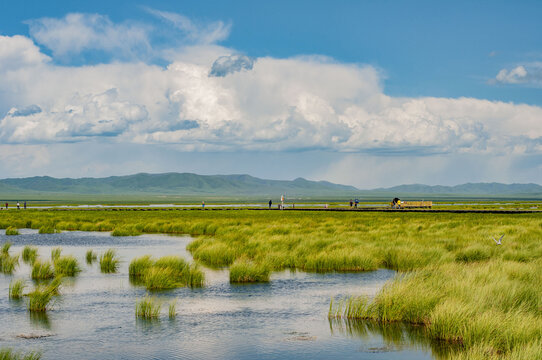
{"x": 91, "y": 257}
{"x": 48, "y": 229}
{"x": 8, "y": 354}
{"x": 42, "y": 270}
{"x": 5, "y": 248}
{"x": 172, "y": 311}
{"x": 55, "y": 253}
{"x": 12, "y": 231}
{"x": 67, "y": 266}
{"x": 16, "y": 289}
{"x": 244, "y": 271}
{"x": 148, "y": 308}
{"x": 30, "y": 254}
{"x": 109, "y": 262}
{"x": 41, "y": 296}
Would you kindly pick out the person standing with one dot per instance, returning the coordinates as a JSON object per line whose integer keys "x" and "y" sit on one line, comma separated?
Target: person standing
{"x": 203, "y": 204}
{"x": 282, "y": 202}
{"x": 18, "y": 206}
{"x": 351, "y": 203}
{"x": 25, "y": 205}
{"x": 6, "y": 206}
{"x": 356, "y": 202}
{"x": 270, "y": 203}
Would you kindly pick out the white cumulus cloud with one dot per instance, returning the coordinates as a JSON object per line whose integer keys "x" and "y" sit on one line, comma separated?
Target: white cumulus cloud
{"x": 294, "y": 104}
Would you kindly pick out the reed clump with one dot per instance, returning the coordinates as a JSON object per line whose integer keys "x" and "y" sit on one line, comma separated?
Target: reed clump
{"x": 8, "y": 262}
{"x": 29, "y": 254}
{"x": 5, "y": 248}
{"x": 12, "y": 231}
{"x": 42, "y": 270}
{"x": 48, "y": 229}
{"x": 91, "y": 257}
{"x": 55, "y": 253}
{"x": 167, "y": 272}
{"x": 66, "y": 266}
{"x": 109, "y": 261}
{"x": 126, "y": 231}
{"x": 172, "y": 309}
{"x": 40, "y": 298}
{"x": 245, "y": 271}
{"x": 16, "y": 288}
{"x": 9, "y": 354}
{"x": 148, "y": 308}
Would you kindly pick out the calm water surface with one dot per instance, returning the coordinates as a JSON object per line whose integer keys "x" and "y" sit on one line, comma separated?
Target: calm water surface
{"x": 94, "y": 318}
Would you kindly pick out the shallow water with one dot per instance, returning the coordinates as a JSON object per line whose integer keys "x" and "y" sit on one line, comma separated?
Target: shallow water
{"x": 94, "y": 318}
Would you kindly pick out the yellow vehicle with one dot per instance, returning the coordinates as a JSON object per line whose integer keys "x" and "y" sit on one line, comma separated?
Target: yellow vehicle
{"x": 396, "y": 203}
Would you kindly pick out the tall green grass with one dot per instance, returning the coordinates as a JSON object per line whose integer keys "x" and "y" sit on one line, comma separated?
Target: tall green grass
{"x": 29, "y": 254}
{"x": 244, "y": 271}
{"x": 5, "y": 248}
{"x": 9, "y": 354}
{"x": 48, "y": 229}
{"x": 90, "y": 257}
{"x": 8, "y": 262}
{"x": 109, "y": 261}
{"x": 12, "y": 231}
{"x": 55, "y": 253}
{"x": 148, "y": 308}
{"x": 16, "y": 288}
{"x": 172, "y": 309}
{"x": 39, "y": 299}
{"x": 66, "y": 266}
{"x": 42, "y": 270}
{"x": 167, "y": 272}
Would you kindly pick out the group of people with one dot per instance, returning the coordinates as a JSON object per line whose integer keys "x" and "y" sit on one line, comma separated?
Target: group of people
{"x": 354, "y": 203}
{"x": 18, "y": 205}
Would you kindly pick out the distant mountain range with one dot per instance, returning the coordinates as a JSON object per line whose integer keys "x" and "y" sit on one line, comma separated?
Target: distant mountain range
{"x": 173, "y": 183}
{"x": 239, "y": 185}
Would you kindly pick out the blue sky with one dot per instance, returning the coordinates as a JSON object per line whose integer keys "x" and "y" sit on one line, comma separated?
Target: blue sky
{"x": 467, "y": 75}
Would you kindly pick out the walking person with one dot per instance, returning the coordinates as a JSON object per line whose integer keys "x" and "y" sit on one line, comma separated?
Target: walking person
{"x": 25, "y": 205}
{"x": 203, "y": 204}
{"x": 18, "y": 206}
{"x": 356, "y": 202}
{"x": 351, "y": 203}
{"x": 6, "y": 206}
{"x": 270, "y": 203}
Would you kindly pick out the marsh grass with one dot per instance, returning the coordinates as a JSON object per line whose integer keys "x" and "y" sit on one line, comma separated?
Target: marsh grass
{"x": 441, "y": 259}
{"x": 40, "y": 298}
{"x": 167, "y": 272}
{"x": 42, "y": 270}
{"x": 139, "y": 266}
{"x": 126, "y": 231}
{"x": 8, "y": 263}
{"x": 5, "y": 248}
{"x": 16, "y": 288}
{"x": 55, "y": 253}
{"x": 9, "y": 354}
{"x": 109, "y": 262}
{"x": 48, "y": 229}
{"x": 91, "y": 257}
{"x": 244, "y": 271}
{"x": 148, "y": 308}
{"x": 29, "y": 254}
{"x": 172, "y": 309}
{"x": 66, "y": 266}
{"x": 12, "y": 231}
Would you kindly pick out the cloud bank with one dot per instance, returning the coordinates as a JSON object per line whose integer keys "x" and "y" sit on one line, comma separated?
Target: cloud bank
{"x": 211, "y": 98}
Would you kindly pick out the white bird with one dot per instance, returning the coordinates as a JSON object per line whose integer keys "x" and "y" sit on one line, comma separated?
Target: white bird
{"x": 498, "y": 242}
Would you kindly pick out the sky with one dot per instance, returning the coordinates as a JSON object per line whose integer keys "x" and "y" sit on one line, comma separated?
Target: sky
{"x": 365, "y": 93}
